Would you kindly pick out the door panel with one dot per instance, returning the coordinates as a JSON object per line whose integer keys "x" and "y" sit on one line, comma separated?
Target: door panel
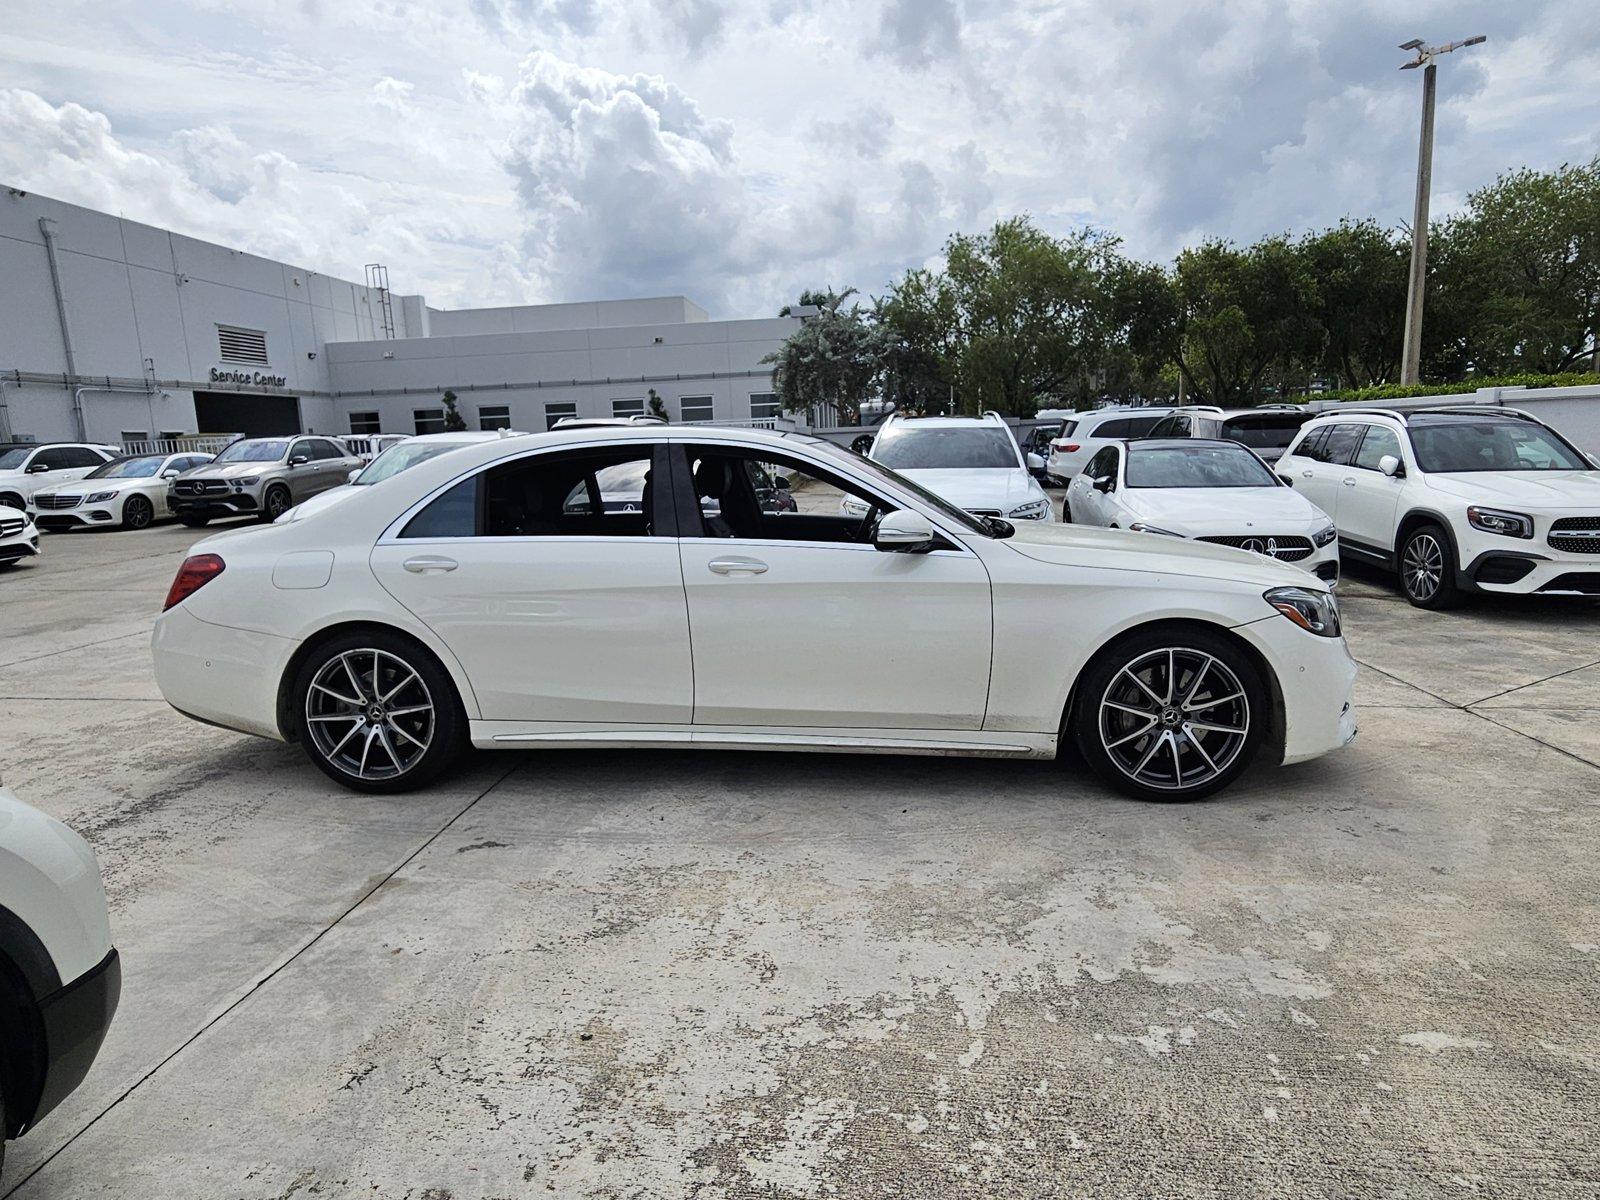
{"x": 828, "y": 635}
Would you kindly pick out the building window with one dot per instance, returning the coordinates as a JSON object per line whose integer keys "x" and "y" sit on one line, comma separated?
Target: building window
{"x": 135, "y": 435}
{"x": 494, "y": 416}
{"x": 241, "y": 345}
{"x": 764, "y": 406}
{"x": 555, "y": 412}
{"x": 628, "y": 408}
{"x": 429, "y": 420}
{"x": 365, "y": 423}
{"x": 693, "y": 409}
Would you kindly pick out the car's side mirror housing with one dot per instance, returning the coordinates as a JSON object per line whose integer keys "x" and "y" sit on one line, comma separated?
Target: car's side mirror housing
{"x": 903, "y": 531}
{"x": 1285, "y": 480}
{"x": 1035, "y": 462}
{"x": 299, "y": 460}
{"x": 781, "y": 482}
{"x": 37, "y": 468}
{"x": 1391, "y": 466}
{"x": 1105, "y": 483}
{"x": 354, "y": 473}
{"x": 171, "y": 473}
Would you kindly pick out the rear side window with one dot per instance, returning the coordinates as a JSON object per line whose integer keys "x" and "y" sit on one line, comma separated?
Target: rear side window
{"x": 1068, "y": 428}
{"x": 452, "y": 515}
{"x": 1337, "y": 448}
{"x": 1141, "y": 426}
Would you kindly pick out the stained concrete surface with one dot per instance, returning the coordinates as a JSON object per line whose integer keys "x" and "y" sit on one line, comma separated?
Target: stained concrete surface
{"x": 681, "y": 974}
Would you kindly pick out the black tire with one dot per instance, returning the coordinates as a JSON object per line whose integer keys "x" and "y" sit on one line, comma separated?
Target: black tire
{"x": 376, "y": 661}
{"x": 1427, "y": 565}
{"x": 137, "y": 513}
{"x": 193, "y": 521}
{"x": 1102, "y": 724}
{"x": 1066, "y": 512}
{"x": 275, "y": 503}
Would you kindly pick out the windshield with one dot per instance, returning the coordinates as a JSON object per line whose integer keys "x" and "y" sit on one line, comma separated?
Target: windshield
{"x": 940, "y": 505}
{"x": 1264, "y": 433}
{"x": 254, "y": 452}
{"x": 1195, "y": 467}
{"x": 12, "y": 459}
{"x": 128, "y": 468}
{"x": 402, "y": 456}
{"x": 1467, "y": 442}
{"x": 929, "y": 448}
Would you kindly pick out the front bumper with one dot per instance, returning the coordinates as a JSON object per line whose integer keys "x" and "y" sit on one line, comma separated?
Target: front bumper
{"x": 216, "y": 504}
{"x": 1316, "y": 678}
{"x": 25, "y": 545}
{"x": 1515, "y": 572}
{"x": 75, "y": 1020}
{"x": 59, "y": 520}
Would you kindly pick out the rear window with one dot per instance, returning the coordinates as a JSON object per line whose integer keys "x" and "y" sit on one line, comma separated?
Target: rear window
{"x": 931, "y": 448}
{"x": 1264, "y": 432}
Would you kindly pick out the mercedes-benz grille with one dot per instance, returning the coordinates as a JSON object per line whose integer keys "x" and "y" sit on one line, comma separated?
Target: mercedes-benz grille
{"x": 1283, "y": 548}
{"x": 1575, "y": 535}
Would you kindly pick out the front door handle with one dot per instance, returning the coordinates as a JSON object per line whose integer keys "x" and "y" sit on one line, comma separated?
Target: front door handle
{"x": 736, "y": 566}
{"x": 1349, "y": 481}
{"x": 1307, "y": 475}
{"x": 429, "y": 564}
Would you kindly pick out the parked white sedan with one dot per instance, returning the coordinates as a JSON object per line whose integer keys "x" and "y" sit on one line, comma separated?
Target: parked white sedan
{"x": 127, "y": 493}
{"x": 1212, "y": 491}
{"x": 490, "y": 596}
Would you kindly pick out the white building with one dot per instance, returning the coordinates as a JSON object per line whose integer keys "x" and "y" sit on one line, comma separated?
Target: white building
{"x": 115, "y": 331}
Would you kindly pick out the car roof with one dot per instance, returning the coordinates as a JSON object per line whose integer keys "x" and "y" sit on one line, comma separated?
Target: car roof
{"x": 1166, "y": 443}
{"x": 987, "y": 421}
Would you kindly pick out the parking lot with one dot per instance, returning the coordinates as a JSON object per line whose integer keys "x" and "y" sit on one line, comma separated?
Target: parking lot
{"x": 644, "y": 974}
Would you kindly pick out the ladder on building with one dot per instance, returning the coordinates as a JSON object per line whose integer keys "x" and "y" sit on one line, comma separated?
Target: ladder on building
{"x": 378, "y": 281}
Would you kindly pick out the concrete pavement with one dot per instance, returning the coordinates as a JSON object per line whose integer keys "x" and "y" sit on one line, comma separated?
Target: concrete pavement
{"x": 681, "y": 974}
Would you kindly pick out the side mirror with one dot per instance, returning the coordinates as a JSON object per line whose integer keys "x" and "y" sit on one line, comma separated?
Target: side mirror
{"x": 903, "y": 531}
{"x": 1035, "y": 463}
{"x": 781, "y": 482}
{"x": 299, "y": 460}
{"x": 1286, "y": 481}
{"x": 353, "y": 474}
{"x": 1105, "y": 483}
{"x": 1391, "y": 466}
{"x": 37, "y": 468}
{"x": 171, "y": 473}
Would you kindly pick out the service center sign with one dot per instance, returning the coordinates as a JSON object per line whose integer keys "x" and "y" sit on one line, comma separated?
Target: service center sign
{"x": 251, "y": 377}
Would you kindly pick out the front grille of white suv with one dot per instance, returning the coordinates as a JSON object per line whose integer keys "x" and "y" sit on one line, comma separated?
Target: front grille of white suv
{"x": 10, "y": 526}
{"x": 1575, "y": 535}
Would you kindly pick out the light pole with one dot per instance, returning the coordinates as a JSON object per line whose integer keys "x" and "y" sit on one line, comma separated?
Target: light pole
{"x": 1411, "y": 354}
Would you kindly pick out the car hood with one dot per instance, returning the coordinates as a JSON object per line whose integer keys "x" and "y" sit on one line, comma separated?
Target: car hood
{"x": 1120, "y": 549}
{"x": 1538, "y": 489}
{"x": 322, "y": 501}
{"x": 230, "y": 470}
{"x": 1209, "y": 512}
{"x": 979, "y": 487}
{"x": 7, "y": 511}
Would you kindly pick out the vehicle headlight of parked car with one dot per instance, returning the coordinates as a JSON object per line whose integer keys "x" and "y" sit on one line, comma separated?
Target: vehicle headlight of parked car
{"x": 1315, "y": 612}
{"x": 100, "y": 497}
{"x": 1034, "y": 510}
{"x": 1325, "y": 535}
{"x": 1496, "y": 520}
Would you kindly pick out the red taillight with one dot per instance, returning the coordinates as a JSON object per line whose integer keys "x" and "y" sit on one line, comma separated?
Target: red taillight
{"x": 1067, "y": 447}
{"x": 197, "y": 571}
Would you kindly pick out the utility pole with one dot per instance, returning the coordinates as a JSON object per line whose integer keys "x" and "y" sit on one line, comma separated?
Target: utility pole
{"x": 1411, "y": 355}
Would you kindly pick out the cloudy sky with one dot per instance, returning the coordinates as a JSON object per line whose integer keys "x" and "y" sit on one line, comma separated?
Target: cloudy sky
{"x": 517, "y": 151}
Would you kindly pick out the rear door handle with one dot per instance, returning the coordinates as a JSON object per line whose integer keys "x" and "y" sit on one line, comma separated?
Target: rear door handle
{"x": 736, "y": 566}
{"x": 429, "y": 564}
{"x": 1349, "y": 481}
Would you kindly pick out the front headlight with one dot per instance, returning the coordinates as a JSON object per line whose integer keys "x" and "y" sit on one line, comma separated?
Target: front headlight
{"x": 1142, "y": 527}
{"x": 1325, "y": 535}
{"x": 1315, "y": 612}
{"x": 100, "y": 497}
{"x": 1033, "y": 510}
{"x": 1497, "y": 520}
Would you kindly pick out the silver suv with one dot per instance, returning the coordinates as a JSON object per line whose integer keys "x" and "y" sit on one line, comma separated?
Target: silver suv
{"x": 260, "y": 477}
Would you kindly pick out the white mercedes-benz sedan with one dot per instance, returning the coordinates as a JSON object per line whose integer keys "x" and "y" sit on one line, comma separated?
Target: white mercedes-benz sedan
{"x": 1212, "y": 491}
{"x": 491, "y": 596}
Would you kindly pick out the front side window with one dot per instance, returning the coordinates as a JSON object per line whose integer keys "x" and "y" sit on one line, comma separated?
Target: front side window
{"x": 932, "y": 448}
{"x": 751, "y": 495}
{"x": 66, "y": 458}
{"x": 255, "y": 451}
{"x": 1338, "y": 445}
{"x": 1378, "y": 442}
{"x": 1103, "y": 465}
{"x": 577, "y": 493}
{"x": 1467, "y": 442}
{"x": 1197, "y": 467}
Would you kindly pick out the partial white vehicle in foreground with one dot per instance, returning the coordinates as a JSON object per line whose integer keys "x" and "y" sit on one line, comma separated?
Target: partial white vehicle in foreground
{"x": 490, "y": 596}
{"x": 18, "y": 537}
{"x": 973, "y": 462}
{"x": 60, "y": 977}
{"x": 1455, "y": 500}
{"x": 126, "y": 493}
{"x": 1212, "y": 491}
{"x": 26, "y": 469}
{"x": 399, "y": 456}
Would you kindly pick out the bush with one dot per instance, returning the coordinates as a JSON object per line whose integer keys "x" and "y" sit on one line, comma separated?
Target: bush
{"x": 1396, "y": 391}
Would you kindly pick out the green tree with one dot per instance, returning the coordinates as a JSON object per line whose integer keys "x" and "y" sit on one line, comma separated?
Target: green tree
{"x": 1015, "y": 317}
{"x": 657, "y": 408}
{"x": 453, "y": 421}
{"x": 835, "y": 359}
{"x": 1358, "y": 272}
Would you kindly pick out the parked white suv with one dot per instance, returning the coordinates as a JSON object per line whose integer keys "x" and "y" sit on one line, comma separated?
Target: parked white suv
{"x": 973, "y": 462}
{"x": 1085, "y": 435}
{"x": 1455, "y": 500}
{"x": 27, "y": 468}
{"x": 60, "y": 978}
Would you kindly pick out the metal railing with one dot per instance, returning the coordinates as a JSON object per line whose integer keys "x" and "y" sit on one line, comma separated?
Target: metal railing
{"x": 209, "y": 443}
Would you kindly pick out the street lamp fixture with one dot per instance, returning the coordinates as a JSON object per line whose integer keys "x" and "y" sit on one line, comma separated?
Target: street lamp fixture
{"x": 1411, "y": 355}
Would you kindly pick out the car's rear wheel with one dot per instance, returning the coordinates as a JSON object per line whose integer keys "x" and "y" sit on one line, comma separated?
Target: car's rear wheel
{"x": 275, "y": 503}
{"x": 1170, "y": 714}
{"x": 193, "y": 521}
{"x": 137, "y": 513}
{"x": 377, "y": 713}
{"x": 1428, "y": 569}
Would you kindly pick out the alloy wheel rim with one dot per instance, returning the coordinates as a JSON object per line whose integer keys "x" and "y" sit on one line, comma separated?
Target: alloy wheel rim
{"x": 275, "y": 504}
{"x": 137, "y": 515}
{"x": 1424, "y": 566}
{"x": 369, "y": 713}
{"x": 1174, "y": 719}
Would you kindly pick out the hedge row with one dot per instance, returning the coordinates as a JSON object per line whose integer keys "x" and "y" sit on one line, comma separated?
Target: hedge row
{"x": 1395, "y": 391}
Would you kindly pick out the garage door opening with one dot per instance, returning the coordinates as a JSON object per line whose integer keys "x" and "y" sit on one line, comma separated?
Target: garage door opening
{"x": 253, "y": 416}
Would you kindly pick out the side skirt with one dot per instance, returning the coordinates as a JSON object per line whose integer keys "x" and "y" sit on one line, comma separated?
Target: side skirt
{"x": 520, "y": 735}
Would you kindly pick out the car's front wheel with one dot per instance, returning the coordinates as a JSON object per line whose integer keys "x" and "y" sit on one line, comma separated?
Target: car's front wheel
{"x": 1170, "y": 714}
{"x": 275, "y": 503}
{"x": 1428, "y": 569}
{"x": 377, "y": 713}
{"x": 137, "y": 513}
